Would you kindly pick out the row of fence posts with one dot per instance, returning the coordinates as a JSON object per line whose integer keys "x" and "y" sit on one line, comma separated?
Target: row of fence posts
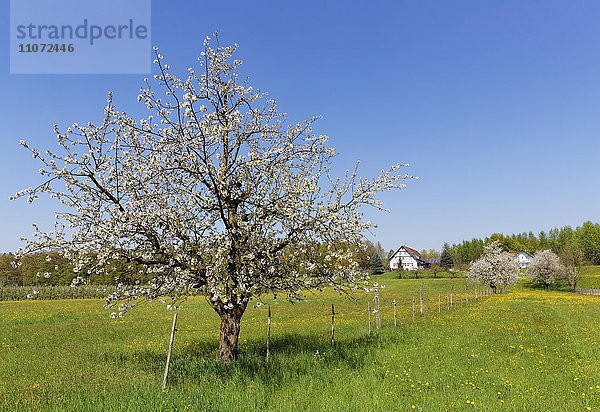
{"x": 595, "y": 292}
{"x": 449, "y": 302}
{"x": 376, "y": 310}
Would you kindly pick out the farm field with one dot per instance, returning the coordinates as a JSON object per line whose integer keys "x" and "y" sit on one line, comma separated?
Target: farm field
{"x": 526, "y": 350}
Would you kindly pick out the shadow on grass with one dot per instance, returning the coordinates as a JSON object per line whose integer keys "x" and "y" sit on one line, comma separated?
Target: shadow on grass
{"x": 291, "y": 356}
{"x": 558, "y": 286}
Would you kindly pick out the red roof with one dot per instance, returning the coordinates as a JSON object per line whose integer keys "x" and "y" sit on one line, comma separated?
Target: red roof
{"x": 413, "y": 253}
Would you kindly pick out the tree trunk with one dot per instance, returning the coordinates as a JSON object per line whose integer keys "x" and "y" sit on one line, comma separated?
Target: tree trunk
{"x": 230, "y": 331}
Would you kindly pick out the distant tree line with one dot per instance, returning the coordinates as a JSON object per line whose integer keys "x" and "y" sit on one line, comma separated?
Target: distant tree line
{"x": 565, "y": 241}
{"x": 51, "y": 269}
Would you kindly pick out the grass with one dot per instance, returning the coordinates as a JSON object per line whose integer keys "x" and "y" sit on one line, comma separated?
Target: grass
{"x": 529, "y": 349}
{"x": 590, "y": 277}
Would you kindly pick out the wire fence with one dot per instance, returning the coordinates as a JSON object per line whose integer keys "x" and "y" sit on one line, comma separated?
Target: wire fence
{"x": 420, "y": 304}
{"x": 595, "y": 292}
{"x": 389, "y": 312}
{"x": 408, "y": 308}
{"x": 373, "y": 313}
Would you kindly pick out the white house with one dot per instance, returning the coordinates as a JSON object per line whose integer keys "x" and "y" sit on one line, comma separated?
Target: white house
{"x": 408, "y": 259}
{"x": 522, "y": 259}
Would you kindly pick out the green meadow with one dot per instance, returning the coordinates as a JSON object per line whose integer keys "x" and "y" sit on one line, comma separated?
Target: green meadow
{"x": 590, "y": 277}
{"x": 524, "y": 350}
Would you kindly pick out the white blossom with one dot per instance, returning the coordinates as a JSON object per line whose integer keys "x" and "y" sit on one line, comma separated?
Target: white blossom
{"x": 77, "y": 281}
{"x": 545, "y": 268}
{"x": 495, "y": 268}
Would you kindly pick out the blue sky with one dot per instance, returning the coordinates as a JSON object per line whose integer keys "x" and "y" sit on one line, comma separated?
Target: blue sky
{"x": 496, "y": 105}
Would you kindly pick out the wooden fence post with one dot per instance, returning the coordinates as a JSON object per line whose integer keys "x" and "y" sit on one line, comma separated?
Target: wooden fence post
{"x": 332, "y": 325}
{"x": 369, "y": 313}
{"x": 395, "y": 317}
{"x": 476, "y": 296}
{"x": 413, "y": 308}
{"x": 439, "y": 302}
{"x": 377, "y": 310}
{"x": 268, "y": 334}
{"x": 451, "y": 300}
{"x": 421, "y": 299}
{"x": 173, "y": 329}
